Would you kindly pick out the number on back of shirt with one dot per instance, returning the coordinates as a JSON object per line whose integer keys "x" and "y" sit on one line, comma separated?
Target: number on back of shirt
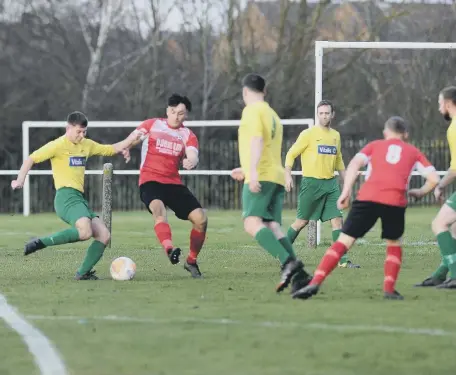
{"x": 393, "y": 156}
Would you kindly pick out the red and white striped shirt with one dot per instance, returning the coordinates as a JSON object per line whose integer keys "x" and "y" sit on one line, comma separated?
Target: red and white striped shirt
{"x": 163, "y": 150}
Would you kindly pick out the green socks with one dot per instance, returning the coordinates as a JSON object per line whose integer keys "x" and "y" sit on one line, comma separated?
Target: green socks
{"x": 285, "y": 242}
{"x": 267, "y": 241}
{"x": 292, "y": 235}
{"x": 94, "y": 254}
{"x": 60, "y": 238}
{"x": 335, "y": 236}
{"x": 448, "y": 250}
{"x": 441, "y": 272}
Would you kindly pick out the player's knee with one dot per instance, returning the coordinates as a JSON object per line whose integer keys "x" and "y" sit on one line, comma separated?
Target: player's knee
{"x": 84, "y": 228}
{"x": 104, "y": 236}
{"x": 198, "y": 218}
{"x": 438, "y": 225}
{"x": 336, "y": 223}
{"x": 253, "y": 224}
{"x": 299, "y": 224}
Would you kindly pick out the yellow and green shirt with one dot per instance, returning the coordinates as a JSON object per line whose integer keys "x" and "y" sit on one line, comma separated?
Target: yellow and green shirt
{"x": 451, "y": 137}
{"x": 320, "y": 153}
{"x": 68, "y": 160}
{"x": 260, "y": 120}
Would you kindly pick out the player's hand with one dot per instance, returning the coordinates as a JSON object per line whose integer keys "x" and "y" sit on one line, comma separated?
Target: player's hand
{"x": 237, "y": 174}
{"x": 438, "y": 194}
{"x": 343, "y": 201}
{"x": 188, "y": 164}
{"x": 416, "y": 193}
{"x": 288, "y": 182}
{"x": 126, "y": 155}
{"x": 16, "y": 184}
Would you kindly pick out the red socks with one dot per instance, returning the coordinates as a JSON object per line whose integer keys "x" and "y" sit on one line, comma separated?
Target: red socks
{"x": 196, "y": 243}
{"x": 328, "y": 262}
{"x": 163, "y": 232}
{"x": 392, "y": 266}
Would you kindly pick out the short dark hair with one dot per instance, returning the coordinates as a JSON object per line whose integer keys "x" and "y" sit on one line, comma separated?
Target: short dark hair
{"x": 449, "y": 93}
{"x": 326, "y": 102}
{"x": 254, "y": 82}
{"x": 77, "y": 118}
{"x": 397, "y": 125}
{"x": 175, "y": 99}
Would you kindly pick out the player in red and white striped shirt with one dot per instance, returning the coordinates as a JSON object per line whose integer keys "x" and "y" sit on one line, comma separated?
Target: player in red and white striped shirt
{"x": 383, "y": 196}
{"x": 166, "y": 144}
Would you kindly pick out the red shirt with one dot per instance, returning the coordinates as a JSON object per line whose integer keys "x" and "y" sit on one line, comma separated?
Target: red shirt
{"x": 390, "y": 165}
{"x": 163, "y": 150}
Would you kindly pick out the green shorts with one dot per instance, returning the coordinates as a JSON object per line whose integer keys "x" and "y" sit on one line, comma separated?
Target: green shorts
{"x": 70, "y": 205}
{"x": 318, "y": 199}
{"x": 267, "y": 204}
{"x": 451, "y": 201}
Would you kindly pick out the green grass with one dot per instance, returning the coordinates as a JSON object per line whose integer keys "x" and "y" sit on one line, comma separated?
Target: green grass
{"x": 179, "y": 327}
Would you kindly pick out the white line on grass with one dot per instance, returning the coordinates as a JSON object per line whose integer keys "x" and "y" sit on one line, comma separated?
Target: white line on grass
{"x": 46, "y": 356}
{"x": 265, "y": 324}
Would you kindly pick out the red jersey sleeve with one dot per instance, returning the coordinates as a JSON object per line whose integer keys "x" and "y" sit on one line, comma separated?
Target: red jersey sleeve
{"x": 192, "y": 141}
{"x": 422, "y": 164}
{"x": 366, "y": 152}
{"x": 145, "y": 126}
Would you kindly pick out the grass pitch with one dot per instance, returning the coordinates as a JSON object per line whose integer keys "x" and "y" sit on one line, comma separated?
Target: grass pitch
{"x": 232, "y": 322}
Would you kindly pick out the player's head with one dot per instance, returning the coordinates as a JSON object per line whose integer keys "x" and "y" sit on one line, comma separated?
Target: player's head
{"x": 325, "y": 113}
{"x": 178, "y": 107}
{"x": 253, "y": 88}
{"x": 395, "y": 127}
{"x": 447, "y": 102}
{"x": 76, "y": 128}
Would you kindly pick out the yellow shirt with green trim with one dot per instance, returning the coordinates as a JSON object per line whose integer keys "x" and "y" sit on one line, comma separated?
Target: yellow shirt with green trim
{"x": 68, "y": 160}
{"x": 260, "y": 120}
{"x": 320, "y": 151}
{"x": 451, "y": 137}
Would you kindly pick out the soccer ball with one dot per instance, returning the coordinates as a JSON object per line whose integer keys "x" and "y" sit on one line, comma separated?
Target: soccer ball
{"x": 123, "y": 268}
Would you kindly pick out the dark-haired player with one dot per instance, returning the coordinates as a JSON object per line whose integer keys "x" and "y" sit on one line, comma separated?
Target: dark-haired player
{"x": 68, "y": 155}
{"x": 383, "y": 196}
{"x": 445, "y": 220}
{"x": 321, "y": 155}
{"x": 260, "y": 147}
{"x": 166, "y": 144}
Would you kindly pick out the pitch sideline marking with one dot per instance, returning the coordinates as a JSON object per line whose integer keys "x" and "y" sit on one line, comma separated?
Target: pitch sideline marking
{"x": 265, "y": 324}
{"x": 46, "y": 356}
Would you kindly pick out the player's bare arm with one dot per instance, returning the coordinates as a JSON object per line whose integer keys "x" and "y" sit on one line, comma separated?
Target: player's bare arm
{"x": 256, "y": 146}
{"x": 432, "y": 180}
{"x": 127, "y": 143}
{"x": 18, "y": 183}
{"x": 446, "y": 180}
{"x": 191, "y": 158}
{"x": 238, "y": 174}
{"x": 296, "y": 150}
{"x": 351, "y": 175}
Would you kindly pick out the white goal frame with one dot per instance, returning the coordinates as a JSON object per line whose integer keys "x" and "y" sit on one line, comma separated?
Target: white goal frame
{"x": 26, "y": 125}
{"x": 320, "y": 46}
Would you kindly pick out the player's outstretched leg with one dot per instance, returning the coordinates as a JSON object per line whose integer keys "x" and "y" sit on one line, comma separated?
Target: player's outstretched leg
{"x": 163, "y": 230}
{"x": 96, "y": 229}
{"x": 392, "y": 267}
{"x": 300, "y": 278}
{"x": 198, "y": 218}
{"x": 267, "y": 240}
{"x": 60, "y": 238}
{"x": 327, "y": 265}
{"x": 447, "y": 244}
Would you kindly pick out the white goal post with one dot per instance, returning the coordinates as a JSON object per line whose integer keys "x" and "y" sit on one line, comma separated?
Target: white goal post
{"x": 320, "y": 46}
{"x": 26, "y": 125}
